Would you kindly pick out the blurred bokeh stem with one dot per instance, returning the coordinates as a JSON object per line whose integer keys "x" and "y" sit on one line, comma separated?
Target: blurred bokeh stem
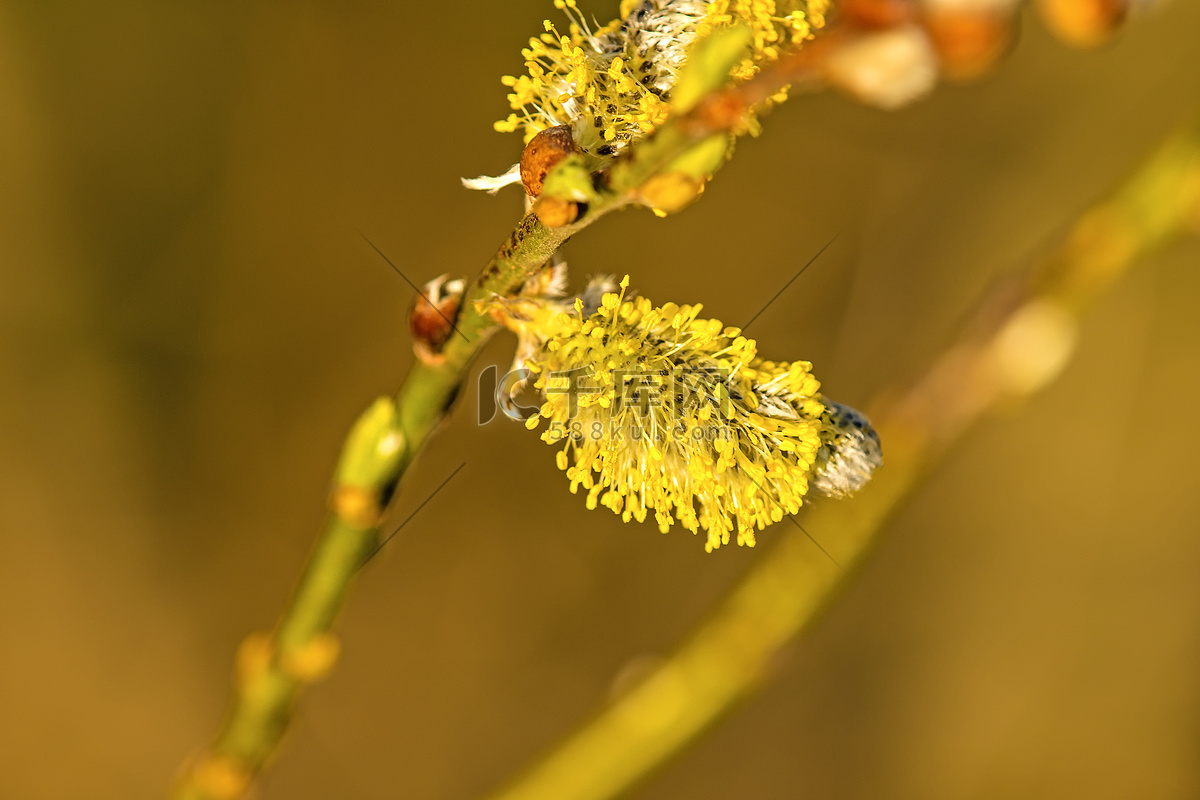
{"x": 1019, "y": 340}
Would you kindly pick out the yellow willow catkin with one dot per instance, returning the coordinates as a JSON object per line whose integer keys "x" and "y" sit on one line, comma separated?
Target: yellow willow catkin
{"x": 613, "y": 85}
{"x": 655, "y": 410}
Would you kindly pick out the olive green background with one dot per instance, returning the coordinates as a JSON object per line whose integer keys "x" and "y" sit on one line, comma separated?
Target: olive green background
{"x": 190, "y": 320}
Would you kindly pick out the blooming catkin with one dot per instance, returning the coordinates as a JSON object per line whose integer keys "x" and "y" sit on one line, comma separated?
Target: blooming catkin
{"x": 612, "y": 85}
{"x": 657, "y": 411}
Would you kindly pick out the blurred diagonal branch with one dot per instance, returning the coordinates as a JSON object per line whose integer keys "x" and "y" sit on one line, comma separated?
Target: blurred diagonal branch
{"x": 1021, "y": 337}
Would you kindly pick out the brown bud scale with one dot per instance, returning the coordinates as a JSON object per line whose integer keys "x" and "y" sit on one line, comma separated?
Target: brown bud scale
{"x": 431, "y": 319}
{"x": 542, "y": 153}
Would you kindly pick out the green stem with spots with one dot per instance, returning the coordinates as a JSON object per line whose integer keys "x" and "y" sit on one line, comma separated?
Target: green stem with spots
{"x": 274, "y": 669}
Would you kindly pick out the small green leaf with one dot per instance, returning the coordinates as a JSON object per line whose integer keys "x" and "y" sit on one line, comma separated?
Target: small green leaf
{"x": 703, "y": 158}
{"x": 570, "y": 180}
{"x": 374, "y": 449}
{"x": 707, "y": 68}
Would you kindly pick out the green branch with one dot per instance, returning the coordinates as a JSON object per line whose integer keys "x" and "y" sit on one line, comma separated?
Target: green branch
{"x": 728, "y": 654}
{"x": 273, "y": 669}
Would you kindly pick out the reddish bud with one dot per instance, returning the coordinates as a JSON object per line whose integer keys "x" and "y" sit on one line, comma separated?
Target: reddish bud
{"x": 877, "y": 13}
{"x": 431, "y": 319}
{"x": 542, "y": 153}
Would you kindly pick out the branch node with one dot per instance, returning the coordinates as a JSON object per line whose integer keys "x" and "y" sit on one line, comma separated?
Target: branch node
{"x": 219, "y": 778}
{"x": 555, "y": 212}
{"x": 312, "y": 661}
{"x": 358, "y": 507}
{"x": 254, "y": 656}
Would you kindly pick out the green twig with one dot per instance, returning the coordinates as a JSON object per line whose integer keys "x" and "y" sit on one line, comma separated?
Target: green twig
{"x": 272, "y": 670}
{"x": 1020, "y": 340}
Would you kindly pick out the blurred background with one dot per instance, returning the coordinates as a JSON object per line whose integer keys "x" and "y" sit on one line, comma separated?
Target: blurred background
{"x": 189, "y": 322}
